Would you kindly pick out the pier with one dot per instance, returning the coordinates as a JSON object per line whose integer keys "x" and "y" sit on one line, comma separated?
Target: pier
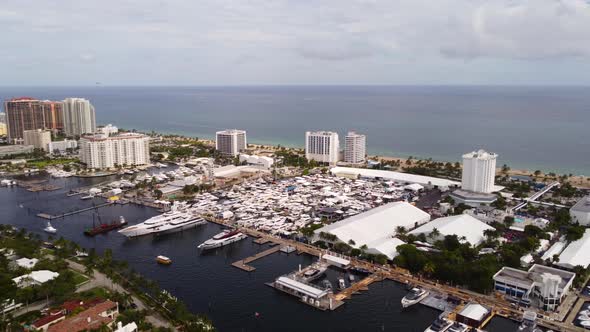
{"x": 357, "y": 287}
{"x": 243, "y": 264}
{"x": 71, "y": 213}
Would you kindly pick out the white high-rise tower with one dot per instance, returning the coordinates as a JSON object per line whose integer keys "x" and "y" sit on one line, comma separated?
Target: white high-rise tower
{"x": 322, "y": 146}
{"x": 79, "y": 117}
{"x": 355, "y": 148}
{"x": 231, "y": 142}
{"x": 479, "y": 171}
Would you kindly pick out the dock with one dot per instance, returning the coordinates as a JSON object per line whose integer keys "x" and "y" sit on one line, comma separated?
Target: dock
{"x": 262, "y": 240}
{"x": 71, "y": 213}
{"x": 357, "y": 287}
{"x": 439, "y": 302}
{"x": 243, "y": 264}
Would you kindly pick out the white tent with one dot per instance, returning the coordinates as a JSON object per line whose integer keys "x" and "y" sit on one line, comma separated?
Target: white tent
{"x": 577, "y": 253}
{"x": 462, "y": 225}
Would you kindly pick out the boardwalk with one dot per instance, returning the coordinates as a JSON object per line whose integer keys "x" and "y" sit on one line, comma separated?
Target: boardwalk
{"x": 71, "y": 213}
{"x": 243, "y": 264}
{"x": 362, "y": 285}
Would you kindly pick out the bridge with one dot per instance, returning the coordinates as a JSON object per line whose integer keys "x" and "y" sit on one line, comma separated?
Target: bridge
{"x": 535, "y": 196}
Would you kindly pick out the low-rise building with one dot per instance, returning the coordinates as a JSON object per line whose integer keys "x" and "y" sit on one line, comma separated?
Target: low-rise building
{"x": 580, "y": 212}
{"x": 62, "y": 146}
{"x": 108, "y": 130}
{"x": 265, "y": 162}
{"x": 26, "y": 263}
{"x": 37, "y": 138}
{"x": 9, "y": 150}
{"x": 89, "y": 319}
{"x": 473, "y": 314}
{"x": 35, "y": 278}
{"x": 541, "y": 286}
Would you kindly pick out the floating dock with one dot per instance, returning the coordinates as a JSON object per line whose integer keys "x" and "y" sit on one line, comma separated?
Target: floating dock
{"x": 243, "y": 264}
{"x": 357, "y": 287}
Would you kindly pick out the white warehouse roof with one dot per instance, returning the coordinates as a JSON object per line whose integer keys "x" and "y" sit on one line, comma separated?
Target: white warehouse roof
{"x": 376, "y": 228}
{"x": 300, "y": 287}
{"x": 460, "y": 225}
{"x": 395, "y": 176}
{"x": 577, "y": 253}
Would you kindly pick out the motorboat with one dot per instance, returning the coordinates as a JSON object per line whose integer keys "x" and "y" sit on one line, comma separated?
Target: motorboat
{"x": 224, "y": 238}
{"x": 415, "y": 295}
{"x": 585, "y": 324}
{"x": 87, "y": 197}
{"x": 313, "y": 273}
{"x": 351, "y": 277}
{"x": 163, "y": 260}
{"x": 440, "y": 324}
{"x": 327, "y": 284}
{"x": 529, "y": 322}
{"x": 177, "y": 219}
{"x": 458, "y": 327}
{"x": 50, "y": 229}
{"x": 341, "y": 283}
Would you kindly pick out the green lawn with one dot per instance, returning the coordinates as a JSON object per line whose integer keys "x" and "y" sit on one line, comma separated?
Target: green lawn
{"x": 79, "y": 278}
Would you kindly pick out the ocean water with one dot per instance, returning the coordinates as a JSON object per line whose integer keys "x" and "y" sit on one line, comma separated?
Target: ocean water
{"x": 207, "y": 282}
{"x": 529, "y": 127}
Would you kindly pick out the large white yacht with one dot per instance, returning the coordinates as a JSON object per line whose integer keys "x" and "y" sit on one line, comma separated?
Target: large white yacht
{"x": 414, "y": 296}
{"x": 226, "y": 237}
{"x": 176, "y": 220}
{"x": 440, "y": 324}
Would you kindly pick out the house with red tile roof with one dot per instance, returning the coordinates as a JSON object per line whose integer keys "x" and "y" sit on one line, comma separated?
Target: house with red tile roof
{"x": 89, "y": 319}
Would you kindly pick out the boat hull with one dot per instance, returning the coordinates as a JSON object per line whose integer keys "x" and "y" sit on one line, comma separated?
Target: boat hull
{"x": 218, "y": 244}
{"x": 182, "y": 228}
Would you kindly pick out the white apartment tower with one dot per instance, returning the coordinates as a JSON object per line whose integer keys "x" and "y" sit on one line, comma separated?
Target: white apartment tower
{"x": 479, "y": 171}
{"x": 355, "y": 148}
{"x": 230, "y": 142}
{"x": 322, "y": 146}
{"x": 38, "y": 138}
{"x": 79, "y": 117}
{"x": 101, "y": 151}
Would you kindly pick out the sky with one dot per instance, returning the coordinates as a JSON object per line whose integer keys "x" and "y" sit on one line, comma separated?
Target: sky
{"x": 292, "y": 42}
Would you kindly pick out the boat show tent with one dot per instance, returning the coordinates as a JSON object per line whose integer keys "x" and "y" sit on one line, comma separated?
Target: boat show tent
{"x": 461, "y": 225}
{"x": 302, "y": 288}
{"x": 577, "y": 253}
{"x": 394, "y": 176}
{"x": 377, "y": 227}
{"x": 336, "y": 261}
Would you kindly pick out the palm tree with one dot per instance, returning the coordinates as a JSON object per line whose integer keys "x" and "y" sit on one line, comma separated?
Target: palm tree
{"x": 434, "y": 233}
{"x": 401, "y": 230}
{"x": 428, "y": 268}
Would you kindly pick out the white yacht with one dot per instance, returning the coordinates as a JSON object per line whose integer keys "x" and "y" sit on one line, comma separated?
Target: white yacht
{"x": 414, "y": 296}
{"x": 341, "y": 283}
{"x": 458, "y": 327}
{"x": 50, "y": 229}
{"x": 174, "y": 221}
{"x": 224, "y": 238}
{"x": 440, "y": 324}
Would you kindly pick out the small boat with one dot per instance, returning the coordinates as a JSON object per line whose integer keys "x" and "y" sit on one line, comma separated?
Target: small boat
{"x": 50, "y": 229}
{"x": 81, "y": 253}
{"x": 341, "y": 283}
{"x": 87, "y": 197}
{"x": 440, "y": 324}
{"x": 327, "y": 284}
{"x": 351, "y": 277}
{"x": 458, "y": 327}
{"x": 585, "y": 323}
{"x": 163, "y": 260}
{"x": 314, "y": 273}
{"x": 104, "y": 228}
{"x": 415, "y": 295}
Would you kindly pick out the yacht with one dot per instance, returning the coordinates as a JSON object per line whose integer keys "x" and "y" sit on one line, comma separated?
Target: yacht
{"x": 415, "y": 295}
{"x": 163, "y": 260}
{"x": 224, "y": 238}
{"x": 440, "y": 324}
{"x": 529, "y": 322}
{"x": 174, "y": 221}
{"x": 50, "y": 229}
{"x": 458, "y": 327}
{"x": 327, "y": 284}
{"x": 341, "y": 283}
{"x": 314, "y": 273}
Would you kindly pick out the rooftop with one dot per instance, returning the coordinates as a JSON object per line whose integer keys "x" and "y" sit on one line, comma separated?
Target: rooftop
{"x": 461, "y": 225}
{"x": 583, "y": 205}
{"x": 480, "y": 154}
{"x": 88, "y": 319}
{"x": 301, "y": 287}
{"x": 474, "y": 311}
{"x": 395, "y": 176}
{"x": 576, "y": 253}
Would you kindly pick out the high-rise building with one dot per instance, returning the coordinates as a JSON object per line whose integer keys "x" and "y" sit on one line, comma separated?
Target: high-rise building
{"x": 107, "y": 130}
{"x": 322, "y": 146}
{"x": 38, "y": 138}
{"x": 53, "y": 115}
{"x": 28, "y": 113}
{"x": 100, "y": 151}
{"x": 355, "y": 148}
{"x": 2, "y": 129}
{"x": 479, "y": 171}
{"x": 230, "y": 142}
{"x": 79, "y": 117}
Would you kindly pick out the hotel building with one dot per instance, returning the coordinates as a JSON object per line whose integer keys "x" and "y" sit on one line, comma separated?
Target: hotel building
{"x": 79, "y": 117}
{"x": 101, "y": 151}
{"x": 230, "y": 142}
{"x": 322, "y": 146}
{"x": 355, "y": 148}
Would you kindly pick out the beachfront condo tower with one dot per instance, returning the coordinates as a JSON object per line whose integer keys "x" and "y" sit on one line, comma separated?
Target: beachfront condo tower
{"x": 355, "y": 148}
{"x": 100, "y": 151}
{"x": 479, "y": 170}
{"x": 322, "y": 146}
{"x": 79, "y": 117}
{"x": 230, "y": 142}
{"x": 26, "y": 113}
